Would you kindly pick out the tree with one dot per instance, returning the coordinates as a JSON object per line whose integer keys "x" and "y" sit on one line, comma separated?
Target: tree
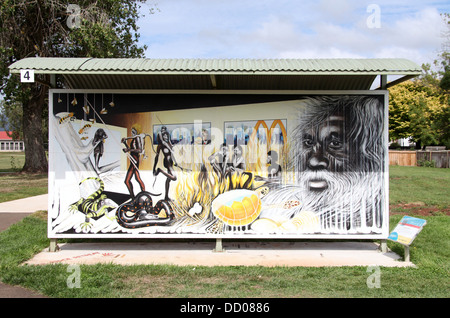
{"x": 418, "y": 110}
{"x": 444, "y": 82}
{"x": 11, "y": 118}
{"x": 101, "y": 28}
{"x": 442, "y": 126}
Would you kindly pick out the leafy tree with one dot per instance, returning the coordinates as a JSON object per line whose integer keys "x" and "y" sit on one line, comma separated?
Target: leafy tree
{"x": 442, "y": 126}
{"x": 28, "y": 28}
{"x": 418, "y": 110}
{"x": 11, "y": 118}
{"x": 444, "y": 82}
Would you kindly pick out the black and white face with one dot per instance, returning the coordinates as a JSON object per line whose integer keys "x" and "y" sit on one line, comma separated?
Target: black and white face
{"x": 335, "y": 163}
{"x": 324, "y": 149}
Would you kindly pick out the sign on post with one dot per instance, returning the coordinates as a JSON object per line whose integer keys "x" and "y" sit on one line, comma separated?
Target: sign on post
{"x": 406, "y": 230}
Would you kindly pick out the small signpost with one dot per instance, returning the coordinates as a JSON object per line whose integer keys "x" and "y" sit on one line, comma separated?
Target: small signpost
{"x": 406, "y": 231}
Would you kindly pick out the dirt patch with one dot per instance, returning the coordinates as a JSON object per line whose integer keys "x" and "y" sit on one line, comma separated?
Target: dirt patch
{"x": 148, "y": 286}
{"x": 418, "y": 208}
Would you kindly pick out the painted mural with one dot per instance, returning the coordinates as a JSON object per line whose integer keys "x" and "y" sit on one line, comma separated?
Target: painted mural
{"x": 126, "y": 164}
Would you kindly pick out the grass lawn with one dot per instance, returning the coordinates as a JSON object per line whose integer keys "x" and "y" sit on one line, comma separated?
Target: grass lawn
{"x": 17, "y": 185}
{"x": 11, "y": 161}
{"x": 419, "y": 187}
{"x": 421, "y": 192}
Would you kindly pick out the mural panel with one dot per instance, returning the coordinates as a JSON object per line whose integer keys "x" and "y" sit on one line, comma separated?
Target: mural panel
{"x": 143, "y": 165}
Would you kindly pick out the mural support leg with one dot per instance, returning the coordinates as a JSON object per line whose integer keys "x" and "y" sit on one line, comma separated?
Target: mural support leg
{"x": 219, "y": 247}
{"x": 383, "y": 246}
{"x": 53, "y": 245}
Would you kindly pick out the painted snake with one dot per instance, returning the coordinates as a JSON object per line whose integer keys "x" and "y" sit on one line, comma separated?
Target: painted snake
{"x": 140, "y": 212}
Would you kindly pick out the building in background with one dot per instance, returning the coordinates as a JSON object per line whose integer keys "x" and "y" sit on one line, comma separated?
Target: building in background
{"x": 7, "y": 143}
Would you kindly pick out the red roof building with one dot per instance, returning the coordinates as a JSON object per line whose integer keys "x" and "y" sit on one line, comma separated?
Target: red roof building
{"x": 8, "y": 144}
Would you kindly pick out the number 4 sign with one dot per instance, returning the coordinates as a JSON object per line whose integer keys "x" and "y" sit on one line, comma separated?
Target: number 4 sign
{"x": 27, "y": 76}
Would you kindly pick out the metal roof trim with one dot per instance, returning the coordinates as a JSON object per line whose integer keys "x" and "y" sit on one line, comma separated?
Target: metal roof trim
{"x": 217, "y": 66}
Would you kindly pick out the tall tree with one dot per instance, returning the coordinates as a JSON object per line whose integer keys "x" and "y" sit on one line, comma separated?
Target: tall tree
{"x": 418, "y": 110}
{"x": 29, "y": 28}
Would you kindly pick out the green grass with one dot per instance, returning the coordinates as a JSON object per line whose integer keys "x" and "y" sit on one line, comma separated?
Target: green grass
{"x": 430, "y": 252}
{"x": 11, "y": 161}
{"x": 18, "y": 185}
{"x": 419, "y": 185}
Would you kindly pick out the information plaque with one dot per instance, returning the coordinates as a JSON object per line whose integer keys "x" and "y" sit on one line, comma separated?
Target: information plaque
{"x": 406, "y": 230}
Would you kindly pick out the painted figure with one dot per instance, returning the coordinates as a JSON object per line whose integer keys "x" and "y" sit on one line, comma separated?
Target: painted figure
{"x": 98, "y": 140}
{"x": 220, "y": 161}
{"x": 238, "y": 161}
{"x": 205, "y": 137}
{"x": 166, "y": 148}
{"x": 274, "y": 169}
{"x": 135, "y": 149}
{"x": 337, "y": 160}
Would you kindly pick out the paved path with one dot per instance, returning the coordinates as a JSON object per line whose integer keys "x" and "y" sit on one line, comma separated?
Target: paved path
{"x": 11, "y": 213}
{"x": 27, "y": 205}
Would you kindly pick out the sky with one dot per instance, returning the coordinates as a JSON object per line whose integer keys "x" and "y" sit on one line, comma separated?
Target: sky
{"x": 281, "y": 29}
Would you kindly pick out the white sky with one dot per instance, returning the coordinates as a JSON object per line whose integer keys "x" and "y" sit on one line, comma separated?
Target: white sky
{"x": 409, "y": 29}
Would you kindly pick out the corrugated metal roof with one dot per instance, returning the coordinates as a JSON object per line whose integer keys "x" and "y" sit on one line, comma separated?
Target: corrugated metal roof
{"x": 229, "y": 74}
{"x": 217, "y": 66}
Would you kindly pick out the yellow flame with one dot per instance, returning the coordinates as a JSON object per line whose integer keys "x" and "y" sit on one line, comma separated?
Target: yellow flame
{"x": 203, "y": 186}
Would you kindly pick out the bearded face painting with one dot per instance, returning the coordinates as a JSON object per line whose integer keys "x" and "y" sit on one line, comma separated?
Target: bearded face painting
{"x": 336, "y": 163}
{"x": 246, "y": 166}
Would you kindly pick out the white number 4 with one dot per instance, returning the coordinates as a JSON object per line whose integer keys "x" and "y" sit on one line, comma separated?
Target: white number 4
{"x": 27, "y": 76}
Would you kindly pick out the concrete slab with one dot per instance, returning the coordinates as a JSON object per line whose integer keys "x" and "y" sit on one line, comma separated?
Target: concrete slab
{"x": 307, "y": 254}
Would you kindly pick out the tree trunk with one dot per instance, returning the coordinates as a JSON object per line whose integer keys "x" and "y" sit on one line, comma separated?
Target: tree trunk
{"x": 35, "y": 157}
